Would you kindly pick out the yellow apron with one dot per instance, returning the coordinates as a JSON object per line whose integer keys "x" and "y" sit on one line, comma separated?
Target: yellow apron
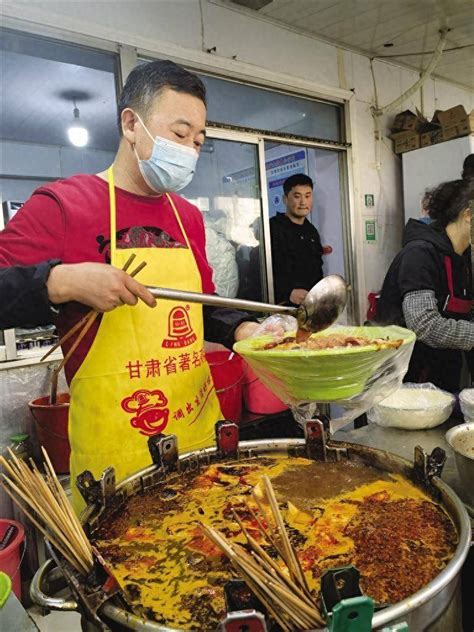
{"x": 146, "y": 371}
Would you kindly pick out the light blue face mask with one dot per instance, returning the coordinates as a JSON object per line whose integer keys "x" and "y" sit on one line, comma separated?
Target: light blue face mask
{"x": 170, "y": 167}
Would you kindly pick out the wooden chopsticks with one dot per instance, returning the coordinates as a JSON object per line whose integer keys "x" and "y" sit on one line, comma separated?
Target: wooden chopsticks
{"x": 85, "y": 323}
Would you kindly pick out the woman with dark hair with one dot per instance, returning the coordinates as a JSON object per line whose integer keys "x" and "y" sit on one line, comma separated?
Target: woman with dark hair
{"x": 468, "y": 167}
{"x": 428, "y": 287}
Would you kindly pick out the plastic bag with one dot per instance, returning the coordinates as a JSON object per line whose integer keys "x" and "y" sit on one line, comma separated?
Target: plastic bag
{"x": 356, "y": 378}
{"x": 466, "y": 400}
{"x": 276, "y": 326}
{"x": 414, "y": 407}
{"x": 221, "y": 256}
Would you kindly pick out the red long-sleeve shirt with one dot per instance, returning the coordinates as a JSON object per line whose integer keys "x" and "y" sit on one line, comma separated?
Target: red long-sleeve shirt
{"x": 70, "y": 220}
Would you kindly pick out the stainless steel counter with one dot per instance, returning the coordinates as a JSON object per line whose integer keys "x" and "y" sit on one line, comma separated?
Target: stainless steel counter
{"x": 403, "y": 442}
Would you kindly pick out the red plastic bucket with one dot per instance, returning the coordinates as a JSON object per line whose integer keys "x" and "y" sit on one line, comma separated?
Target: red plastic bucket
{"x": 257, "y": 397}
{"x": 10, "y": 556}
{"x": 227, "y": 373}
{"x": 52, "y": 429}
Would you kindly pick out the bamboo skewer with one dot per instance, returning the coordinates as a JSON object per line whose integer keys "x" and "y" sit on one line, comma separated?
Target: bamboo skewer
{"x": 66, "y": 336}
{"x": 86, "y": 323}
{"x": 282, "y": 589}
{"x": 292, "y": 557}
{"x": 59, "y": 537}
{"x": 67, "y": 526}
{"x": 262, "y": 558}
{"x": 270, "y": 532}
{"x": 304, "y": 616}
{"x": 64, "y": 500}
{"x": 249, "y": 578}
{"x": 83, "y": 320}
{"x": 35, "y": 482}
{"x": 268, "y": 535}
{"x": 284, "y": 592}
{"x": 40, "y": 528}
{"x": 89, "y": 322}
{"x": 43, "y": 500}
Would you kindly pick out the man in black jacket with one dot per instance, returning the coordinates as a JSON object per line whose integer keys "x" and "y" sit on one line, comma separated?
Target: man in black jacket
{"x": 296, "y": 245}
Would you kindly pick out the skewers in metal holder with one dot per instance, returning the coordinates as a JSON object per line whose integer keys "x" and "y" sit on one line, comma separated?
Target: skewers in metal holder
{"x": 279, "y": 584}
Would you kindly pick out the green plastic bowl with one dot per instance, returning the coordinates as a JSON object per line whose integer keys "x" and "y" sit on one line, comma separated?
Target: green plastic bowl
{"x": 5, "y": 588}
{"x": 327, "y": 375}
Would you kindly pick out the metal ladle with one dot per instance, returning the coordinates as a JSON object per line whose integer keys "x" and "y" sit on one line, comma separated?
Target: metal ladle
{"x": 320, "y": 309}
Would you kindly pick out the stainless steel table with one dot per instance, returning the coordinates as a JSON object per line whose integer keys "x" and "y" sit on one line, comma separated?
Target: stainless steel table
{"x": 403, "y": 442}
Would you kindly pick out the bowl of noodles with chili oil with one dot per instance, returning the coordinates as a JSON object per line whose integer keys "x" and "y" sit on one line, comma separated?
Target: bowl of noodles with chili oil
{"x": 337, "y": 364}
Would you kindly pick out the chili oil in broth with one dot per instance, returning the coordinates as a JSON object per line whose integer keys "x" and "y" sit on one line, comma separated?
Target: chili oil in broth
{"x": 336, "y": 514}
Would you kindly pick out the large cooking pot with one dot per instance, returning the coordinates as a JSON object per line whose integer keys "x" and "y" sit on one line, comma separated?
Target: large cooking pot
{"x": 435, "y": 607}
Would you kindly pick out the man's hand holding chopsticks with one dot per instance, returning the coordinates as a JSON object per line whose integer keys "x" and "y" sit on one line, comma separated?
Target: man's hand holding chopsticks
{"x": 98, "y": 285}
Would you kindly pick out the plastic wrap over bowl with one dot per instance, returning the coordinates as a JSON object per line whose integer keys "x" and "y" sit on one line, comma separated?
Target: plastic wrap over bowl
{"x": 466, "y": 400}
{"x": 343, "y": 374}
{"x": 414, "y": 407}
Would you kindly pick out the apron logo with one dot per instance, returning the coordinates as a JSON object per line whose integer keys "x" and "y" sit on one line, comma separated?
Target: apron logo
{"x": 151, "y": 416}
{"x": 180, "y": 332}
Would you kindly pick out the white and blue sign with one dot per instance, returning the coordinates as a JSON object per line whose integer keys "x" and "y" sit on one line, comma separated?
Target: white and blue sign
{"x": 277, "y": 171}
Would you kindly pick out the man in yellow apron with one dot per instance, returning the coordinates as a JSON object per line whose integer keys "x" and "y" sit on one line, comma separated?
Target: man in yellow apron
{"x": 143, "y": 371}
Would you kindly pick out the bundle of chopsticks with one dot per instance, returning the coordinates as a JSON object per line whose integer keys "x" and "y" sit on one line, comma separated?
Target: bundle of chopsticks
{"x": 43, "y": 500}
{"x": 279, "y": 583}
{"x": 83, "y": 325}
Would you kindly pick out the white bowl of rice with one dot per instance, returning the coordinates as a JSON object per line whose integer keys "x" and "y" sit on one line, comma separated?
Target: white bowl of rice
{"x": 413, "y": 407}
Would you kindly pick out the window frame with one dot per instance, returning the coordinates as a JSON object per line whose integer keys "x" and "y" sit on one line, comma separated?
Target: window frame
{"x": 127, "y": 57}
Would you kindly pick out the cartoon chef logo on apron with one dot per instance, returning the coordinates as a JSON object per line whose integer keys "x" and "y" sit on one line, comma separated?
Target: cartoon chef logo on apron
{"x": 149, "y": 407}
{"x": 146, "y": 371}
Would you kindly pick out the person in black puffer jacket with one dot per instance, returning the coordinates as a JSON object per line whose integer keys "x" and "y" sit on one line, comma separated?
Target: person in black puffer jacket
{"x": 428, "y": 287}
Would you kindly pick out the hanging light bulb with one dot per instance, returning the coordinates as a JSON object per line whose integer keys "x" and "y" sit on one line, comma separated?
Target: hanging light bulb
{"x": 77, "y": 133}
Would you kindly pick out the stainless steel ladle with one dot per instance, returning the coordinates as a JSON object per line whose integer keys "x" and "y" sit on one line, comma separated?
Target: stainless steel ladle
{"x": 320, "y": 309}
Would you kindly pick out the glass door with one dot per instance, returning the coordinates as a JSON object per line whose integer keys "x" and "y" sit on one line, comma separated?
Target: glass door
{"x": 226, "y": 188}
{"x": 322, "y": 166}
{"x": 238, "y": 187}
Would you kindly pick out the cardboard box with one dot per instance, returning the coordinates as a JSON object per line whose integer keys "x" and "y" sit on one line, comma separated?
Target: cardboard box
{"x": 453, "y": 116}
{"x": 431, "y": 137}
{"x": 406, "y": 121}
{"x": 411, "y": 130}
{"x": 454, "y": 122}
{"x": 405, "y": 141}
{"x": 451, "y": 131}
{"x": 430, "y": 134}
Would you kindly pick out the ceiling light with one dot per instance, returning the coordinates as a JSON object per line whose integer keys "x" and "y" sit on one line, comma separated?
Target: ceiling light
{"x": 77, "y": 133}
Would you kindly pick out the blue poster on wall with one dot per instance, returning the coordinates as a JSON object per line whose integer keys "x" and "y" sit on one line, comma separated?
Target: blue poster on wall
{"x": 277, "y": 171}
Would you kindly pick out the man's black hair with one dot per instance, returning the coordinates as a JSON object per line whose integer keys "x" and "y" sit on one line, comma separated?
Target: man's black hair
{"x": 296, "y": 180}
{"x": 146, "y": 81}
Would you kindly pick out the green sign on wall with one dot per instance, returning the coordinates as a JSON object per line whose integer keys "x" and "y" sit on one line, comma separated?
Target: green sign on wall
{"x": 370, "y": 229}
